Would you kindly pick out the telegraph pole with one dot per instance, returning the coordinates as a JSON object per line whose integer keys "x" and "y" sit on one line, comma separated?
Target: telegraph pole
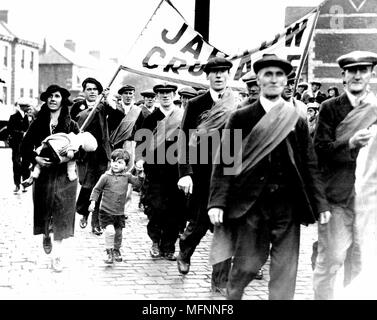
{"x": 202, "y": 17}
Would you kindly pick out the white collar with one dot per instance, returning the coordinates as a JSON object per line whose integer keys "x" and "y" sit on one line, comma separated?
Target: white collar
{"x": 126, "y": 108}
{"x": 268, "y": 104}
{"x": 355, "y": 101}
{"x": 165, "y": 112}
{"x": 215, "y": 94}
{"x": 90, "y": 104}
{"x": 20, "y": 111}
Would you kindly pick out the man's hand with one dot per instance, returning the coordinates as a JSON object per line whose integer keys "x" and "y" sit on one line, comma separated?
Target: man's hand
{"x": 324, "y": 217}
{"x": 185, "y": 184}
{"x": 139, "y": 165}
{"x": 360, "y": 139}
{"x": 92, "y": 206}
{"x": 43, "y": 162}
{"x": 216, "y": 216}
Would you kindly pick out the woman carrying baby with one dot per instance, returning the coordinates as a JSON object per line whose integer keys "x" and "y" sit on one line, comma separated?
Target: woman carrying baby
{"x": 54, "y": 194}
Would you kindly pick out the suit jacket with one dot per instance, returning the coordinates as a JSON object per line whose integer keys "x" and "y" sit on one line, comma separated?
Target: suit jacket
{"x": 237, "y": 194}
{"x": 16, "y": 127}
{"x": 200, "y": 173}
{"x": 337, "y": 162}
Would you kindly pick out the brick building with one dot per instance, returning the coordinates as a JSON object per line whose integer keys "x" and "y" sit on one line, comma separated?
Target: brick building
{"x": 342, "y": 26}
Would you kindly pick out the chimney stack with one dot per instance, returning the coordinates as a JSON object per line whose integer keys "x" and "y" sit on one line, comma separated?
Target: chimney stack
{"x": 70, "y": 44}
{"x": 4, "y": 16}
{"x": 95, "y": 53}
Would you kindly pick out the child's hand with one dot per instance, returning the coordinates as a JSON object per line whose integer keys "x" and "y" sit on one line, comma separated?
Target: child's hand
{"x": 92, "y": 206}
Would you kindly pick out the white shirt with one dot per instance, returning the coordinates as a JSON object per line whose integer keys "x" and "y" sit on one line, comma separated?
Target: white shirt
{"x": 167, "y": 112}
{"x": 90, "y": 104}
{"x": 215, "y": 94}
{"x": 268, "y": 104}
{"x": 126, "y": 108}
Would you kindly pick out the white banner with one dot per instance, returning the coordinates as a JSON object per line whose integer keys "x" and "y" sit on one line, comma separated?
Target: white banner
{"x": 169, "y": 49}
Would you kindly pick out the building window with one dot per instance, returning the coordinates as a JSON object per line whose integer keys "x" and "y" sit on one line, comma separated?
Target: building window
{"x": 31, "y": 93}
{"x": 6, "y": 56}
{"x": 5, "y": 95}
{"x": 21, "y": 92}
{"x": 23, "y": 59}
{"x": 32, "y": 61}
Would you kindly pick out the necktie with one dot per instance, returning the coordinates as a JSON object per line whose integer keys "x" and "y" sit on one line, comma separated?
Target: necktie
{"x": 220, "y": 96}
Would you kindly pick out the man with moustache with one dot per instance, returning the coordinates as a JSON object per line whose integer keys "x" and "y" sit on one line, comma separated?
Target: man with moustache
{"x": 204, "y": 115}
{"x": 258, "y": 209}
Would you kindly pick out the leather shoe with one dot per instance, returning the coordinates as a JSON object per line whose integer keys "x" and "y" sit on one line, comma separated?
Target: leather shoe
{"x": 216, "y": 289}
{"x": 97, "y": 231}
{"x": 47, "y": 244}
{"x": 259, "y": 275}
{"x": 183, "y": 266}
{"x": 83, "y": 222}
{"x": 169, "y": 256}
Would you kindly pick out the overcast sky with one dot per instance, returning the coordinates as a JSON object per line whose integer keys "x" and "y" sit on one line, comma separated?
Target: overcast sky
{"x": 112, "y": 26}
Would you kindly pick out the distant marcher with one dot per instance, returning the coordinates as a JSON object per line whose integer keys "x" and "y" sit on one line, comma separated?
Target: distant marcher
{"x": 54, "y": 195}
{"x": 315, "y": 93}
{"x": 301, "y": 87}
{"x": 332, "y": 92}
{"x": 252, "y": 88}
{"x": 185, "y": 94}
{"x": 113, "y": 186}
{"x": 312, "y": 117}
{"x": 18, "y": 124}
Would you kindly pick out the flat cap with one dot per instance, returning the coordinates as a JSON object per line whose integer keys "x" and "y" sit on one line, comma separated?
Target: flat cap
{"x": 148, "y": 93}
{"x": 272, "y": 60}
{"x": 316, "y": 82}
{"x": 303, "y": 84}
{"x": 165, "y": 87}
{"x": 291, "y": 77}
{"x": 217, "y": 63}
{"x": 313, "y": 105}
{"x": 249, "y": 78}
{"x": 357, "y": 58}
{"x": 188, "y": 92}
{"x": 126, "y": 88}
{"x": 93, "y": 81}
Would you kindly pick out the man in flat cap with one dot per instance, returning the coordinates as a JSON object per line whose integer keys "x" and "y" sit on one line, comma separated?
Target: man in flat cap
{"x": 185, "y": 94}
{"x": 252, "y": 88}
{"x": 92, "y": 165}
{"x": 288, "y": 94}
{"x": 301, "y": 88}
{"x": 258, "y": 210}
{"x": 314, "y": 93}
{"x": 203, "y": 114}
{"x": 342, "y": 130}
{"x": 17, "y": 126}
{"x": 155, "y": 155}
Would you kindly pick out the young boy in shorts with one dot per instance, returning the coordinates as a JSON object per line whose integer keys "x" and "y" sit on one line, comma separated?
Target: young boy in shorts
{"x": 113, "y": 185}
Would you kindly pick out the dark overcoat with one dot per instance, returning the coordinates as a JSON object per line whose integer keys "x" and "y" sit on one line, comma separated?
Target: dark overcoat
{"x": 199, "y": 172}
{"x": 337, "y": 161}
{"x": 236, "y": 194}
{"x": 54, "y": 195}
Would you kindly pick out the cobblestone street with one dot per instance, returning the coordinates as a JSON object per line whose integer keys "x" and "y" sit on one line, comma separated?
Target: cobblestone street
{"x": 25, "y": 271}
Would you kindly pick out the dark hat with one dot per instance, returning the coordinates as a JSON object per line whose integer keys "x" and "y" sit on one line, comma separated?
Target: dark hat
{"x": 316, "y": 82}
{"x": 2, "y": 81}
{"x": 217, "y": 63}
{"x": 126, "y": 88}
{"x": 165, "y": 87}
{"x": 188, "y": 92}
{"x": 312, "y": 105}
{"x": 249, "y": 78}
{"x": 272, "y": 60}
{"x": 177, "y": 102}
{"x": 148, "y": 93}
{"x": 303, "y": 84}
{"x": 357, "y": 58}
{"x": 93, "y": 81}
{"x": 53, "y": 88}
